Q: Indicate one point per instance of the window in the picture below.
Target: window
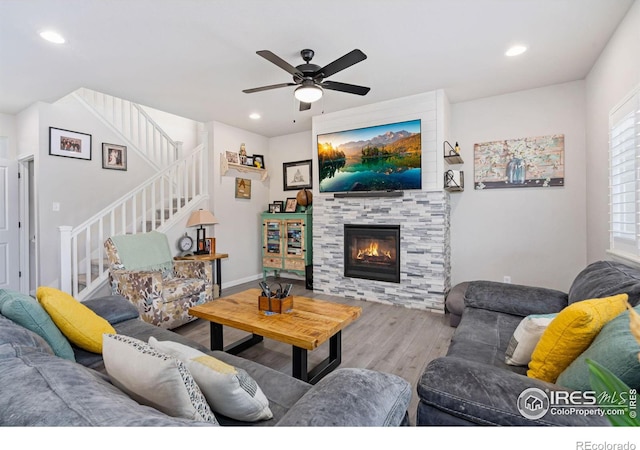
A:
(624, 177)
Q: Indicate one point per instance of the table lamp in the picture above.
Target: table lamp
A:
(200, 218)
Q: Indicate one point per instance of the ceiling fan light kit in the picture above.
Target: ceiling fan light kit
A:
(310, 78)
(308, 92)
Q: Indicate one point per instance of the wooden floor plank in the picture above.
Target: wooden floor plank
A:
(387, 338)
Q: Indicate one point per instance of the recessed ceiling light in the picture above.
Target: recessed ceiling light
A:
(52, 36)
(516, 50)
(254, 116)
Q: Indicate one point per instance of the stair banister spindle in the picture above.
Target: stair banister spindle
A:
(65, 258)
(87, 256)
(74, 265)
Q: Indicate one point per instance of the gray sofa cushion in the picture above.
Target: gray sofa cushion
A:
(483, 336)
(473, 393)
(12, 333)
(514, 299)
(604, 279)
(352, 397)
(39, 389)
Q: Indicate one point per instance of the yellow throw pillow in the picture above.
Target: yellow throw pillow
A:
(571, 333)
(78, 323)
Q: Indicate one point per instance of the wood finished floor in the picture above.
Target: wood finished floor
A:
(387, 338)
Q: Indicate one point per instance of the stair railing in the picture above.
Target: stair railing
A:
(154, 205)
(134, 124)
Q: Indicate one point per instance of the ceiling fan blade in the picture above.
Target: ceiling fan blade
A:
(305, 106)
(344, 87)
(348, 60)
(266, 88)
(275, 59)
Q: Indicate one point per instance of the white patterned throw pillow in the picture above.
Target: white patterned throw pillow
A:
(229, 390)
(154, 378)
(525, 338)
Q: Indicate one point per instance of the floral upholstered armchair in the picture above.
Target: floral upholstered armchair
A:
(141, 269)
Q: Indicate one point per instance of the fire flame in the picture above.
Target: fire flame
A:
(373, 250)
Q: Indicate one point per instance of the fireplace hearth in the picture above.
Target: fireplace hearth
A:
(372, 252)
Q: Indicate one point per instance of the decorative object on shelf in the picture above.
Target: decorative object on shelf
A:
(243, 188)
(272, 208)
(454, 180)
(199, 219)
(185, 244)
(70, 144)
(291, 205)
(226, 165)
(114, 156)
(296, 175)
(304, 198)
(242, 155)
(258, 161)
(525, 162)
(232, 157)
(279, 205)
(451, 154)
(379, 158)
(249, 161)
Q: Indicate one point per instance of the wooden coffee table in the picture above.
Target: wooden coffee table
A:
(309, 324)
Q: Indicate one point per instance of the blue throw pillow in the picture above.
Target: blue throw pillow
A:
(27, 312)
(615, 348)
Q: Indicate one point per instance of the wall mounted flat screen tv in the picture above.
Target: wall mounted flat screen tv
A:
(378, 158)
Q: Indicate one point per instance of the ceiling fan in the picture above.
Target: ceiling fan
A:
(310, 78)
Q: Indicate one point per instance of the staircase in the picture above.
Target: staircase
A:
(158, 203)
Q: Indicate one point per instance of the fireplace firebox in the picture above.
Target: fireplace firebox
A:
(372, 252)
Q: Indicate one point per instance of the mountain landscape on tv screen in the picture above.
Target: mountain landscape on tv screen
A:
(380, 158)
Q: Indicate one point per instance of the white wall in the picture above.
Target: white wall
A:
(534, 235)
(615, 74)
(239, 230)
(8, 130)
(288, 148)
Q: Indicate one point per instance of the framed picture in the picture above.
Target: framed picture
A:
(258, 161)
(232, 157)
(296, 175)
(272, 208)
(114, 156)
(210, 245)
(243, 188)
(70, 144)
(249, 160)
(291, 205)
(278, 206)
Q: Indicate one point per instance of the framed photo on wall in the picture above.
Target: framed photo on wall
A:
(114, 156)
(70, 144)
(243, 188)
(296, 175)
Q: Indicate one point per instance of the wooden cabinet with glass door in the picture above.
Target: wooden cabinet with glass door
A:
(286, 244)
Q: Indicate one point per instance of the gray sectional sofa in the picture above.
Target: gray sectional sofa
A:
(41, 389)
(472, 384)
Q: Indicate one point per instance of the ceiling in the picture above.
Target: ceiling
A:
(193, 58)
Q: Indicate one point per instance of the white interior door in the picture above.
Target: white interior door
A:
(9, 248)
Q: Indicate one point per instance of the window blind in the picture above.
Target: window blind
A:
(624, 176)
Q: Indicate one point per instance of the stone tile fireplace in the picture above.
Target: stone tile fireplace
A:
(422, 221)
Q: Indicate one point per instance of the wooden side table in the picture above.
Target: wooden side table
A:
(215, 260)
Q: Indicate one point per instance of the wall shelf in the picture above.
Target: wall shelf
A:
(451, 156)
(226, 165)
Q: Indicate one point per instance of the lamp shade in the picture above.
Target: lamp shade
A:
(201, 217)
(308, 92)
